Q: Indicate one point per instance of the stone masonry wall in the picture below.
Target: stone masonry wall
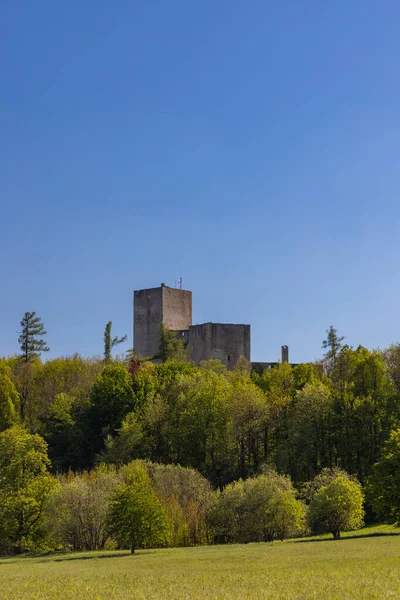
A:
(225, 341)
(147, 318)
(154, 306)
(176, 308)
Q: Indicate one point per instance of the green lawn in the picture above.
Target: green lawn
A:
(364, 564)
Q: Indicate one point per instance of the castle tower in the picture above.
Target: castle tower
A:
(154, 306)
(284, 354)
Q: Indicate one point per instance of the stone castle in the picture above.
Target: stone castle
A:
(173, 307)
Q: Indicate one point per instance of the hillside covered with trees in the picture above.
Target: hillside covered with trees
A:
(124, 452)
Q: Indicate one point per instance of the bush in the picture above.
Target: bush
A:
(187, 497)
(76, 515)
(259, 509)
(338, 505)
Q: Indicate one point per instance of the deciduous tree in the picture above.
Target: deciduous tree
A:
(25, 485)
(338, 506)
(383, 490)
(112, 398)
(9, 399)
(260, 509)
(76, 515)
(137, 519)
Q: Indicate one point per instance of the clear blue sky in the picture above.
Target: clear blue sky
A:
(254, 145)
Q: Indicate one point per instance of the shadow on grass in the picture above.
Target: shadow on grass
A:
(55, 557)
(85, 557)
(348, 537)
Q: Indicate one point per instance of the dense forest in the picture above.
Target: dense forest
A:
(199, 447)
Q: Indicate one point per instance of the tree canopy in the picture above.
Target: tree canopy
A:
(338, 506)
(245, 440)
(383, 490)
(25, 485)
(137, 519)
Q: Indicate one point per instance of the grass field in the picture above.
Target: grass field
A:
(365, 564)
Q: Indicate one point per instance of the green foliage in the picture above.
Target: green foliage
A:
(278, 382)
(63, 387)
(166, 373)
(110, 342)
(130, 443)
(260, 509)
(391, 357)
(171, 347)
(225, 424)
(62, 427)
(226, 518)
(215, 365)
(187, 497)
(364, 409)
(9, 399)
(297, 420)
(383, 490)
(243, 366)
(333, 343)
(308, 430)
(24, 378)
(249, 414)
(76, 513)
(31, 337)
(23, 457)
(72, 375)
(136, 517)
(305, 374)
(197, 418)
(324, 478)
(111, 398)
(61, 409)
(24, 487)
(338, 506)
(144, 383)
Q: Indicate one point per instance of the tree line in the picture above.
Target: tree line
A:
(249, 436)
(144, 504)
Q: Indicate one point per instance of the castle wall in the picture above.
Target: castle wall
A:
(225, 341)
(176, 308)
(147, 318)
(260, 367)
(173, 307)
(154, 306)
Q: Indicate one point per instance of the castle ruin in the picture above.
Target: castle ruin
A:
(173, 307)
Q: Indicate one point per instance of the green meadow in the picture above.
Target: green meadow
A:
(363, 564)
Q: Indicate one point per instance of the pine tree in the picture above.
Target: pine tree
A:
(30, 340)
(333, 343)
(110, 342)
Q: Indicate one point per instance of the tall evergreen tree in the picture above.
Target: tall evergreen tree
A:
(110, 342)
(333, 343)
(30, 339)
